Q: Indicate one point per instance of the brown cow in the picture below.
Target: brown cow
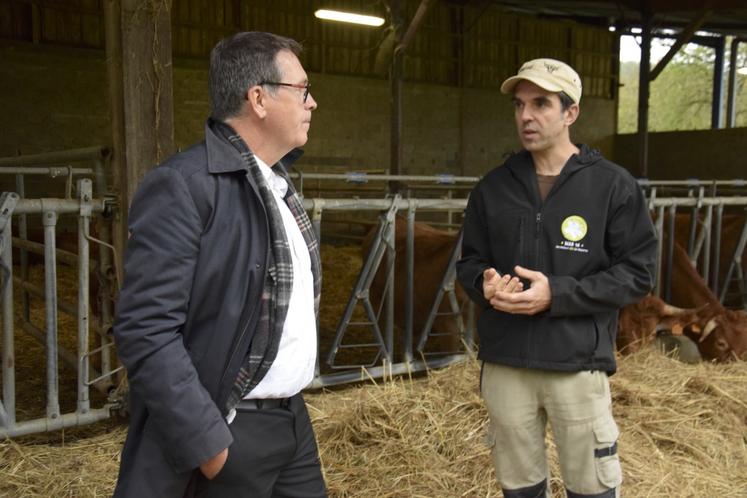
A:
(431, 256)
(731, 229)
(639, 323)
(720, 334)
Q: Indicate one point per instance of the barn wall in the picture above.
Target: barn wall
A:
(490, 133)
(55, 98)
(705, 154)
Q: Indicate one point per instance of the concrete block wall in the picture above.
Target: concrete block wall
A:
(704, 154)
(56, 98)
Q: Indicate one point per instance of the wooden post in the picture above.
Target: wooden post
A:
(147, 90)
(643, 94)
(113, 37)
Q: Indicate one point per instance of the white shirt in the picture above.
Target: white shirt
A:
(293, 368)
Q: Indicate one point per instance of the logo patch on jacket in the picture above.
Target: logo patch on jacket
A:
(574, 229)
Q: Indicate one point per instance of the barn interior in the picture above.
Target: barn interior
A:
(409, 113)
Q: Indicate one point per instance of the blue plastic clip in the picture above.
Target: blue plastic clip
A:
(357, 177)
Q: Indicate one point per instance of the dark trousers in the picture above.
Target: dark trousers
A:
(273, 455)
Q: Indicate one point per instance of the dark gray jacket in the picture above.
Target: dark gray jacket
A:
(593, 239)
(194, 271)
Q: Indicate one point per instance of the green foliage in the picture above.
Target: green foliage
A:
(681, 95)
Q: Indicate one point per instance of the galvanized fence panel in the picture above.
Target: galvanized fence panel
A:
(704, 202)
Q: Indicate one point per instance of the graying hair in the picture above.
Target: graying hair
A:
(239, 62)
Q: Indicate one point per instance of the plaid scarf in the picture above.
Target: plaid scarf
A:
(279, 279)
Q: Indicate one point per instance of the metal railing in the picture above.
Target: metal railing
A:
(381, 256)
(51, 210)
(78, 207)
(705, 202)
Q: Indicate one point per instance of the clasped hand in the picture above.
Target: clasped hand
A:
(507, 293)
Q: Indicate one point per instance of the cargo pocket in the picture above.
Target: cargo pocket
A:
(606, 459)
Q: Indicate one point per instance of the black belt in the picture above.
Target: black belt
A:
(246, 405)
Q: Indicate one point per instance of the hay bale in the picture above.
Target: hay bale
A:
(684, 434)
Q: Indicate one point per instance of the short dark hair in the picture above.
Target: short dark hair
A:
(241, 61)
(565, 101)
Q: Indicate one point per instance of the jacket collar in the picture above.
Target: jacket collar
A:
(222, 157)
(522, 166)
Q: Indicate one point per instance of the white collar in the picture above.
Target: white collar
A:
(276, 182)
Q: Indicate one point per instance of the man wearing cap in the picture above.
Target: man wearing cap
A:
(556, 241)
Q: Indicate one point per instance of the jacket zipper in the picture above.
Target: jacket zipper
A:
(537, 233)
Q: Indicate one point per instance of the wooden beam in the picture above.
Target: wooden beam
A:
(113, 41)
(684, 37)
(147, 89)
(643, 94)
(417, 20)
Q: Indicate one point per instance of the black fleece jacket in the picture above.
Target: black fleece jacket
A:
(592, 237)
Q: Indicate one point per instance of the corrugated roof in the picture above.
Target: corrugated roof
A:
(727, 17)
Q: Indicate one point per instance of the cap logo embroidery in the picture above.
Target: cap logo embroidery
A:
(550, 68)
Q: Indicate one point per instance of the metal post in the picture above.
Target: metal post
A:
(23, 253)
(707, 234)
(85, 193)
(694, 214)
(106, 273)
(643, 94)
(736, 266)
(8, 363)
(717, 248)
(718, 84)
(670, 252)
(316, 223)
(50, 298)
(660, 233)
(731, 114)
(410, 284)
(391, 256)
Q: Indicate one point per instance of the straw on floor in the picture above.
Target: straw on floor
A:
(684, 434)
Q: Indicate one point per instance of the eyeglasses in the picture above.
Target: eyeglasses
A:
(300, 86)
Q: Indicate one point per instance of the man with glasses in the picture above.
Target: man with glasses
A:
(216, 319)
(556, 241)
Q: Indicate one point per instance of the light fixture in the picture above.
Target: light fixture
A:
(336, 15)
(612, 29)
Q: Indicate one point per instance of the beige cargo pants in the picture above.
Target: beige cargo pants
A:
(520, 402)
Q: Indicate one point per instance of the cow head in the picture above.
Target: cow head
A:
(721, 337)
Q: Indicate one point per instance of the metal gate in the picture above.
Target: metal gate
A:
(78, 210)
(704, 202)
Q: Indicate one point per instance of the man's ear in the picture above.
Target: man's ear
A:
(256, 100)
(571, 114)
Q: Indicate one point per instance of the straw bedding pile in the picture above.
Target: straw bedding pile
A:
(684, 434)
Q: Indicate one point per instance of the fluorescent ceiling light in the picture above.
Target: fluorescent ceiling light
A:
(742, 70)
(336, 15)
